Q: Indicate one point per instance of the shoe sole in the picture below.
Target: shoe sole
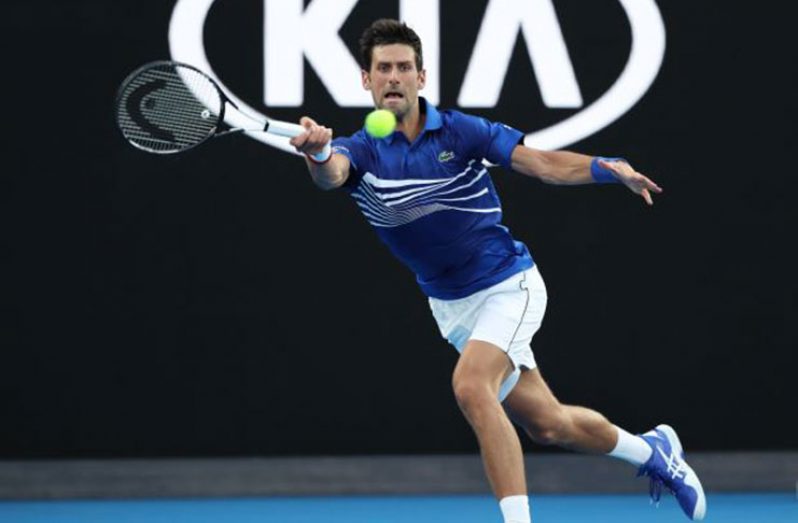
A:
(676, 445)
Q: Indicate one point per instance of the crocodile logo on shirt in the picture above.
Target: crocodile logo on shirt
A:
(445, 156)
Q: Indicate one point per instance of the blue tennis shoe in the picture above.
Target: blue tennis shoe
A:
(667, 468)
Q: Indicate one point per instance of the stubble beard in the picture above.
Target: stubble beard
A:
(399, 111)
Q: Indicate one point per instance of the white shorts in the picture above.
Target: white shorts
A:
(506, 315)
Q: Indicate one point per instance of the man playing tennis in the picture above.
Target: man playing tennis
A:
(425, 190)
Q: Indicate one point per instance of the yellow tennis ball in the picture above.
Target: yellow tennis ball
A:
(380, 123)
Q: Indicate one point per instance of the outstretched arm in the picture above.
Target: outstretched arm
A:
(329, 174)
(567, 168)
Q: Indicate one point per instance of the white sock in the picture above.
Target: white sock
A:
(632, 449)
(515, 509)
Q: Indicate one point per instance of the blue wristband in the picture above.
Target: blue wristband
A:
(602, 174)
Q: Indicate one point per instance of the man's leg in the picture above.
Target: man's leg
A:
(479, 373)
(534, 408)
(658, 452)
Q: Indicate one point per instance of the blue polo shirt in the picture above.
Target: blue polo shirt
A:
(433, 203)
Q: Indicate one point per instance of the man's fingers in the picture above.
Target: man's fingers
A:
(626, 169)
(299, 140)
(319, 134)
(314, 138)
(647, 196)
(650, 185)
(307, 122)
(637, 182)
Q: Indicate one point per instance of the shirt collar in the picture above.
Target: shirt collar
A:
(433, 116)
(432, 122)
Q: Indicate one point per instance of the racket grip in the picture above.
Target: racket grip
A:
(289, 130)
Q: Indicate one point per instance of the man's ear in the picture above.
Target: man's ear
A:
(365, 78)
(422, 79)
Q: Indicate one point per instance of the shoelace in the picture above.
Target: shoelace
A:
(676, 469)
(655, 485)
(655, 489)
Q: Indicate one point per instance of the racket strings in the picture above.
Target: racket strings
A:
(168, 107)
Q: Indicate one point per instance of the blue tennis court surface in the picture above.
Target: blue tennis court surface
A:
(723, 508)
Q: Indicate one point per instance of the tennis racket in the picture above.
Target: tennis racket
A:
(167, 107)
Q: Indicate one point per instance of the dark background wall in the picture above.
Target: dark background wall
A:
(217, 303)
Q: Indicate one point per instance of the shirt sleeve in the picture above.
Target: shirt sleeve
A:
(356, 150)
(489, 140)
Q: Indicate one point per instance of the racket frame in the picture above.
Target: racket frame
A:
(285, 129)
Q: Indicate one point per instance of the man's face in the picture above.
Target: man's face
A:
(393, 80)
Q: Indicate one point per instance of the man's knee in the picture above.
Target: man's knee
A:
(472, 393)
(549, 427)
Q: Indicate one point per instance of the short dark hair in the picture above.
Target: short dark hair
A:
(387, 31)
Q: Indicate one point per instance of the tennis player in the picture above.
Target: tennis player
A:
(427, 193)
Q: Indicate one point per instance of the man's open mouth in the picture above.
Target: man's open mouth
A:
(394, 96)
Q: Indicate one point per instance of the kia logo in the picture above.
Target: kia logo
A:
(293, 33)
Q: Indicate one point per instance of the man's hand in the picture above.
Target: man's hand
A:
(313, 140)
(326, 173)
(636, 182)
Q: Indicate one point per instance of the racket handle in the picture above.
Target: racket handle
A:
(289, 130)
